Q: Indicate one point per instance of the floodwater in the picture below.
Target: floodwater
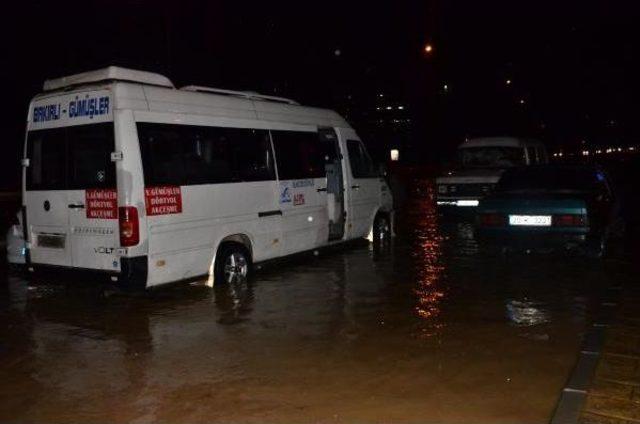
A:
(431, 329)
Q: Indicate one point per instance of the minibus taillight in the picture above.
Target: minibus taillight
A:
(129, 226)
(570, 220)
(492, 220)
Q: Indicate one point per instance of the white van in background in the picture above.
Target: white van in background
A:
(127, 175)
(480, 164)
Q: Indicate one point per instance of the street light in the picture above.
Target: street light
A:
(428, 48)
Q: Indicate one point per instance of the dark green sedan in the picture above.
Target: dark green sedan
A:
(568, 206)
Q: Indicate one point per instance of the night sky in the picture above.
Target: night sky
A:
(573, 66)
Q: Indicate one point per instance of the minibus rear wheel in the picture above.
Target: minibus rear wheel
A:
(233, 264)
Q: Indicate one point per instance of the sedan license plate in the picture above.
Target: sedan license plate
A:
(530, 220)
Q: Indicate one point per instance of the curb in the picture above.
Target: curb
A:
(574, 394)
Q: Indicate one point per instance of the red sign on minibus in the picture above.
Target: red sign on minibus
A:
(101, 203)
(163, 200)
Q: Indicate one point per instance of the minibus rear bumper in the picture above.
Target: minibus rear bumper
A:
(132, 275)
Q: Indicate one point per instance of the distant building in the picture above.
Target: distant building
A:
(382, 119)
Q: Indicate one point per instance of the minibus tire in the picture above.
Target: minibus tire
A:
(226, 252)
(133, 273)
(381, 228)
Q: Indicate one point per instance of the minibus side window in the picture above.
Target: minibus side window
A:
(361, 164)
(207, 156)
(223, 155)
(162, 154)
(190, 155)
(253, 155)
(299, 155)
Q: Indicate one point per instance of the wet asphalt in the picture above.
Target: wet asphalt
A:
(430, 328)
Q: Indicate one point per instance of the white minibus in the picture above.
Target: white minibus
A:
(126, 175)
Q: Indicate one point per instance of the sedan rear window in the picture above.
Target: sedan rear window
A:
(548, 179)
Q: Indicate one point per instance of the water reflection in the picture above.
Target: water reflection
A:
(526, 313)
(234, 302)
(427, 254)
(346, 332)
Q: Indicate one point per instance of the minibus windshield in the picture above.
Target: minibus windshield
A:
(490, 157)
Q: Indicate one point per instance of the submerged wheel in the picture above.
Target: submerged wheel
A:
(233, 264)
(382, 229)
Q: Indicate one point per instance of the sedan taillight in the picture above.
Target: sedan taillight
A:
(492, 220)
(570, 220)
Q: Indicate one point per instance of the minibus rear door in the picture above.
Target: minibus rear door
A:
(45, 198)
(92, 197)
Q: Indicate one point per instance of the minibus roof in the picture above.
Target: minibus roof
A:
(111, 73)
(147, 91)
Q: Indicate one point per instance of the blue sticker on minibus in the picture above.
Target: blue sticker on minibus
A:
(285, 195)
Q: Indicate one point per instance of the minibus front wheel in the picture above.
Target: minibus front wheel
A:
(381, 228)
(233, 264)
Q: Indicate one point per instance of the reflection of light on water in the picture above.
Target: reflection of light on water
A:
(427, 252)
(526, 313)
(466, 244)
(465, 231)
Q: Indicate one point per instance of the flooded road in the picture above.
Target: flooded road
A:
(431, 329)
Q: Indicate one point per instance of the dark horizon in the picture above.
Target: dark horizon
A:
(564, 73)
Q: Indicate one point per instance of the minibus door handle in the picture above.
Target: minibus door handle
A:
(321, 189)
(355, 187)
(76, 206)
(269, 213)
